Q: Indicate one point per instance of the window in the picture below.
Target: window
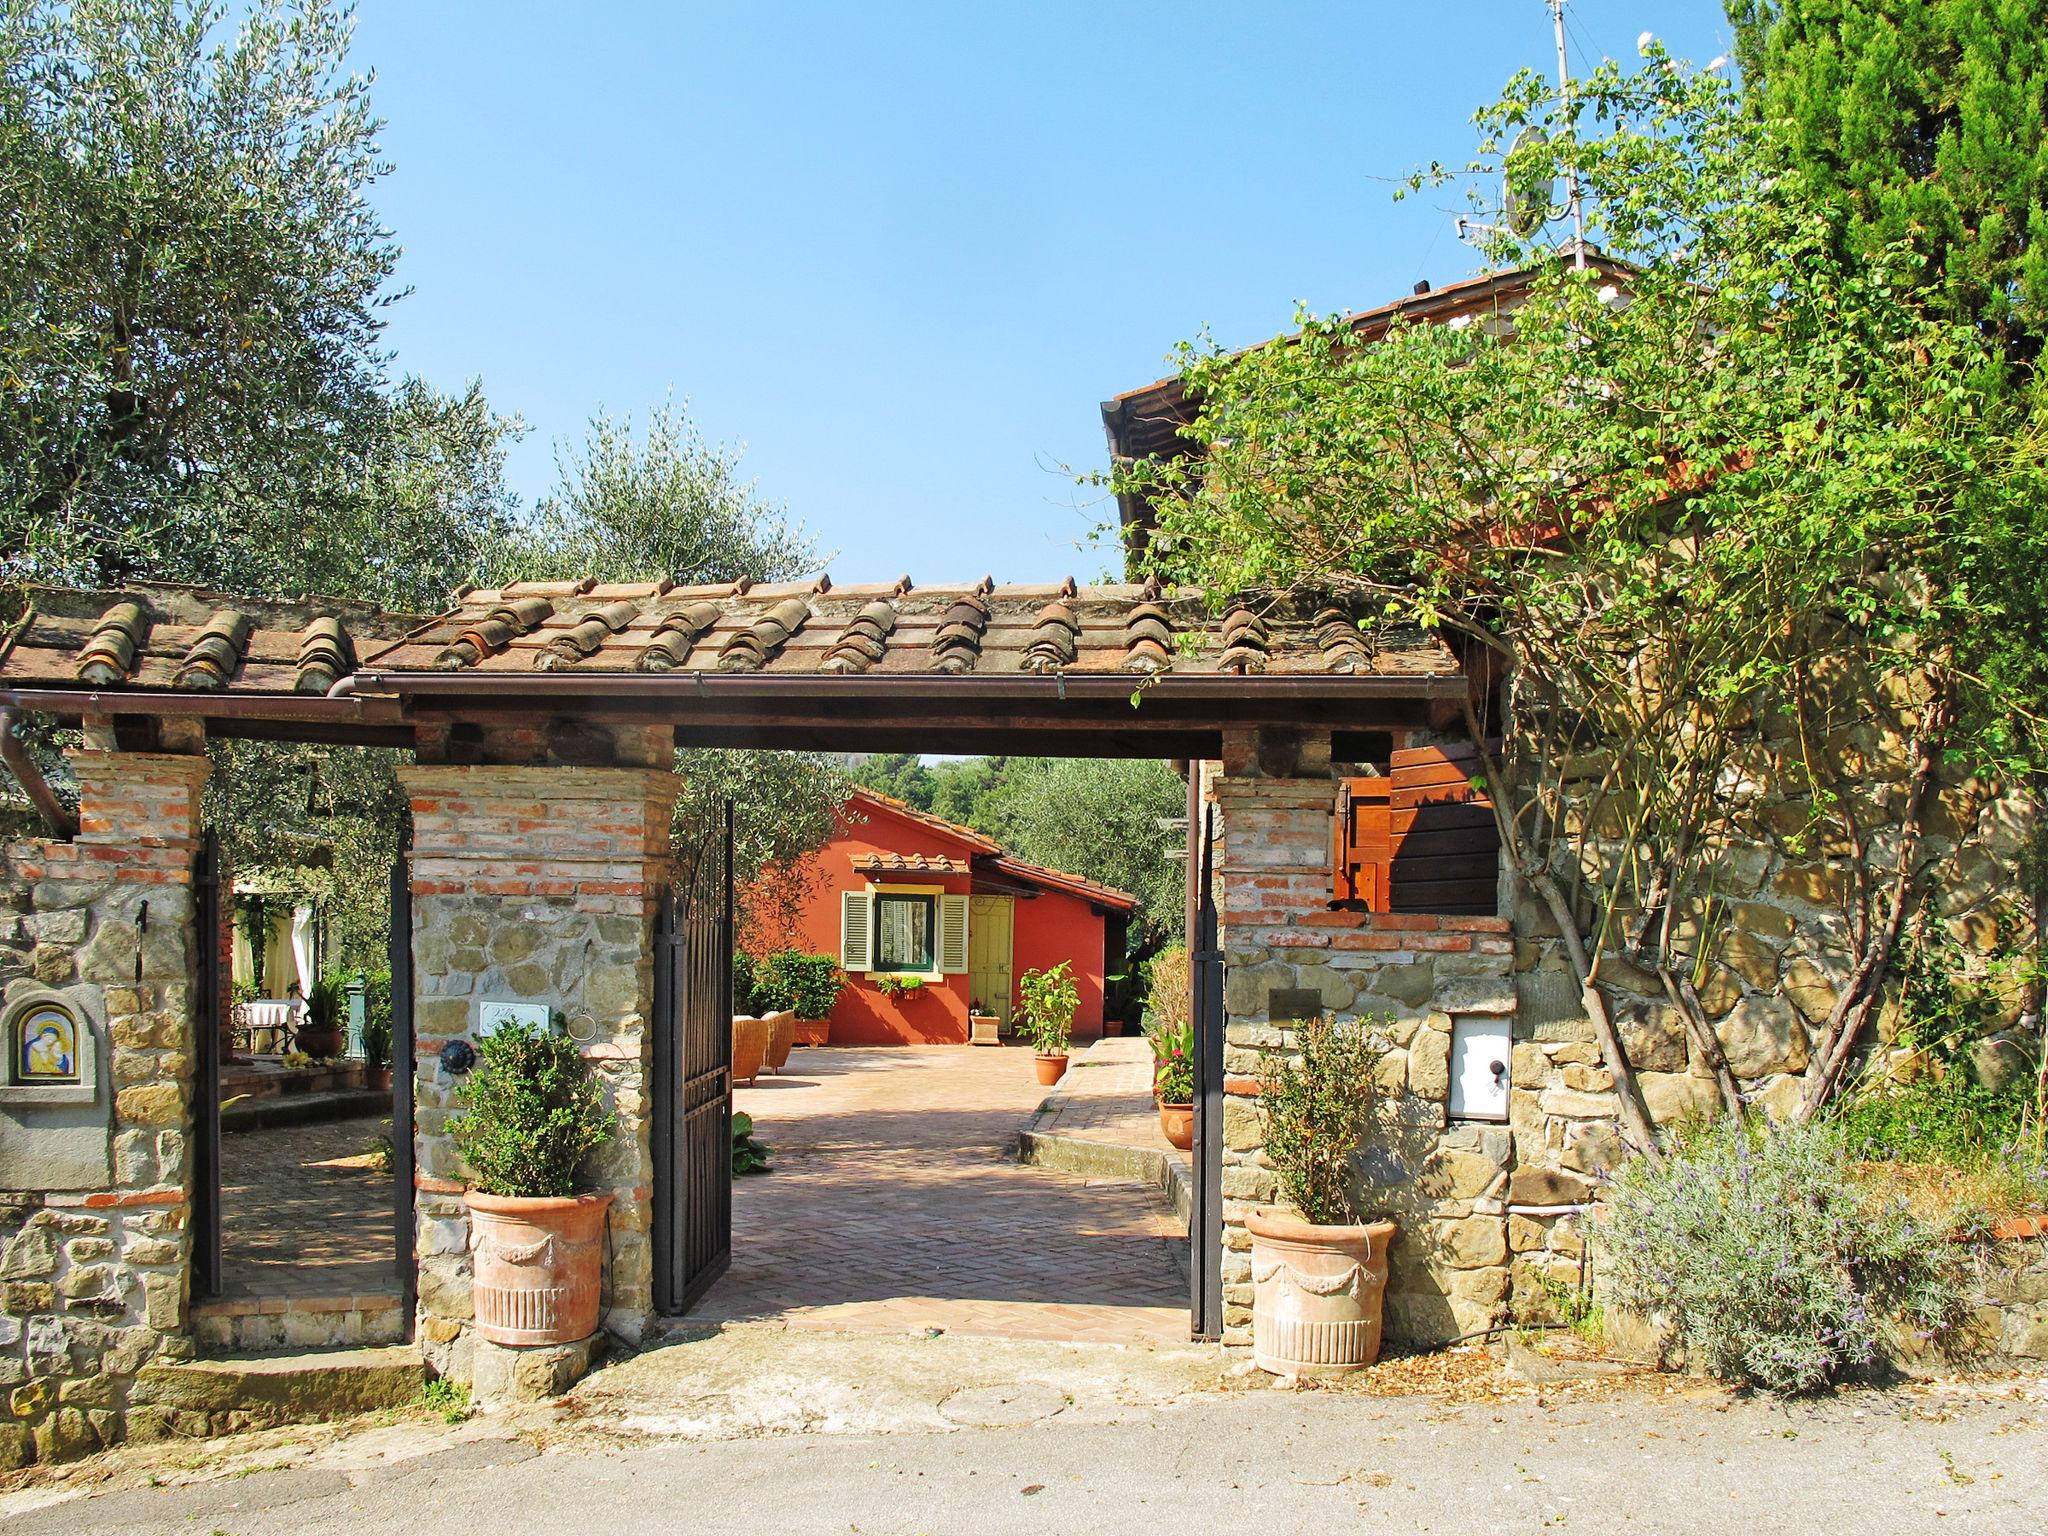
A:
(903, 931)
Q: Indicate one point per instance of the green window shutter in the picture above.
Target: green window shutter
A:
(952, 935)
(855, 930)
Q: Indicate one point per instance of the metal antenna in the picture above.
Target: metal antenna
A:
(1571, 175)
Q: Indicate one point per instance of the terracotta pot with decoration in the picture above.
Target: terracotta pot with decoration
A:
(538, 1265)
(781, 1038)
(749, 1048)
(1317, 1292)
(1177, 1121)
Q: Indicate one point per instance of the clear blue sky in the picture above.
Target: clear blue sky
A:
(902, 251)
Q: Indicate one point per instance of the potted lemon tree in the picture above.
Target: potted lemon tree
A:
(1319, 1272)
(1047, 998)
(533, 1112)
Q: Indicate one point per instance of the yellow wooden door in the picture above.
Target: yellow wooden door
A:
(988, 953)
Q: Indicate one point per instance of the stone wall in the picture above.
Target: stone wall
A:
(534, 884)
(1491, 1214)
(95, 1249)
(1449, 1184)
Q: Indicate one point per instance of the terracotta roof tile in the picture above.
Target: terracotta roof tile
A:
(908, 864)
(158, 637)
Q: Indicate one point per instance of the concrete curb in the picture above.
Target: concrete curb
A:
(1172, 1178)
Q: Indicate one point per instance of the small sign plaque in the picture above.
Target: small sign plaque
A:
(494, 1016)
(1292, 1005)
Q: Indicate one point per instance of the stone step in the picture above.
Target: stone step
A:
(303, 1109)
(216, 1397)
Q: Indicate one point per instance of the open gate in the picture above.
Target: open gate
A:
(1205, 1211)
(210, 935)
(692, 1131)
(405, 1252)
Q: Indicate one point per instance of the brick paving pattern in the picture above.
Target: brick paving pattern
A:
(1106, 1096)
(306, 1215)
(896, 1205)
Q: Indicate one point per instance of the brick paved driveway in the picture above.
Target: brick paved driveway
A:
(896, 1205)
(305, 1213)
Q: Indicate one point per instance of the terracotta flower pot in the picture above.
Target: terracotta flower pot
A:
(378, 1078)
(1178, 1122)
(1051, 1066)
(1317, 1292)
(539, 1264)
(749, 1048)
(320, 1044)
(781, 1037)
(813, 1031)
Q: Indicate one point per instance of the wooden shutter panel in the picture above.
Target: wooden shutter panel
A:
(856, 925)
(1444, 845)
(1363, 851)
(952, 935)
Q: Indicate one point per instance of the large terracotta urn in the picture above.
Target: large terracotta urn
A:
(1317, 1292)
(539, 1264)
(781, 1038)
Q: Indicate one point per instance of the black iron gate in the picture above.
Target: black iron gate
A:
(692, 1131)
(404, 1067)
(1205, 1215)
(209, 934)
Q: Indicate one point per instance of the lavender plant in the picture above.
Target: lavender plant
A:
(1771, 1262)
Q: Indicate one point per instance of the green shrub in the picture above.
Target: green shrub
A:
(743, 982)
(1168, 976)
(1771, 1261)
(1318, 1105)
(806, 985)
(1047, 999)
(533, 1112)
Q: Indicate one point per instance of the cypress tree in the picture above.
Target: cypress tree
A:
(1926, 121)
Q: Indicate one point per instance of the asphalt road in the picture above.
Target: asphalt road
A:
(1271, 1462)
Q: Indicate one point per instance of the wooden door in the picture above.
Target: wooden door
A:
(991, 940)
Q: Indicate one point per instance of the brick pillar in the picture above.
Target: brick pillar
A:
(1288, 955)
(535, 884)
(95, 1243)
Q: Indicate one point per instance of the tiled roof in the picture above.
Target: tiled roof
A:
(1058, 879)
(863, 797)
(908, 864)
(990, 857)
(183, 639)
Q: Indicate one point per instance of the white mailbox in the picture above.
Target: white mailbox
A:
(1481, 1049)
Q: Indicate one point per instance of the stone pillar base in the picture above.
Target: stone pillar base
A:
(530, 1373)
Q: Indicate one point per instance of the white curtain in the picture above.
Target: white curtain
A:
(302, 947)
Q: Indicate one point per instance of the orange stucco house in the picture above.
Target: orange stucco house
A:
(901, 893)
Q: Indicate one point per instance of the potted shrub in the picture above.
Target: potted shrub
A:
(1173, 1080)
(1047, 999)
(984, 1027)
(533, 1112)
(1319, 1273)
(805, 985)
(320, 1036)
(377, 1031)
